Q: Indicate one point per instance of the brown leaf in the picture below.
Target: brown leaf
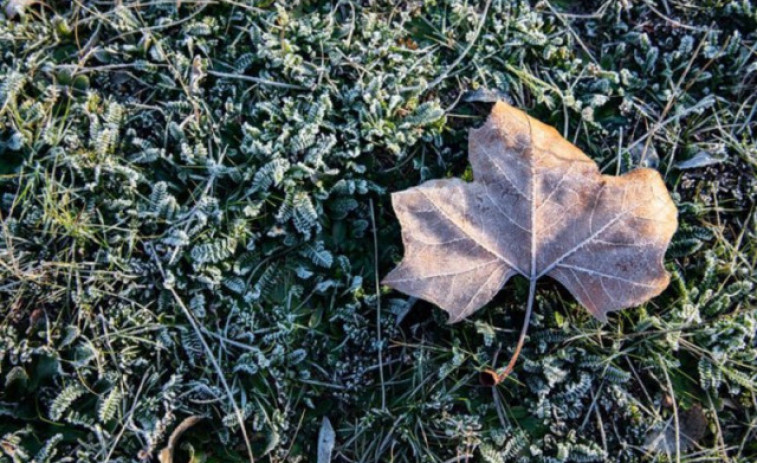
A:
(166, 454)
(538, 207)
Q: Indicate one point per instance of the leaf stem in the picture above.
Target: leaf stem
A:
(526, 321)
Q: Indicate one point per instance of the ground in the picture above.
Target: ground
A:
(195, 204)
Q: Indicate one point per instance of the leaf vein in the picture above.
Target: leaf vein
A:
(447, 274)
(465, 232)
(604, 275)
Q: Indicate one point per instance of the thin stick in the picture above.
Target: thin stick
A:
(378, 307)
(257, 80)
(467, 49)
(523, 331)
(211, 357)
(675, 409)
(166, 455)
(219, 371)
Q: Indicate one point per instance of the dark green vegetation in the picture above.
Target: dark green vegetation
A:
(188, 191)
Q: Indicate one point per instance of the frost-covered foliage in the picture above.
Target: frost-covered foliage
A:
(188, 193)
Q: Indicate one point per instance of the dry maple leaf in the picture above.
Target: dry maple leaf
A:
(538, 206)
